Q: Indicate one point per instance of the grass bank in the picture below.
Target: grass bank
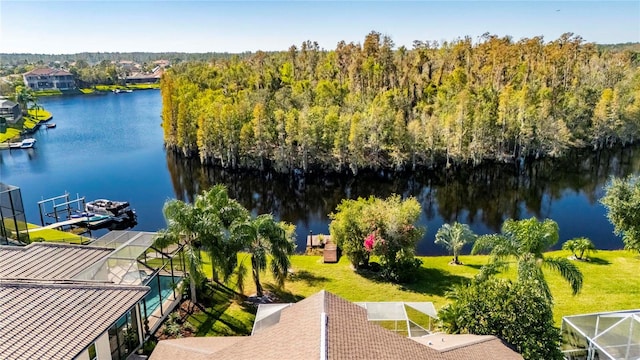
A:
(27, 123)
(121, 87)
(52, 235)
(610, 283)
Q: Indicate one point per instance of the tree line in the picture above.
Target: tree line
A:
(373, 106)
(14, 59)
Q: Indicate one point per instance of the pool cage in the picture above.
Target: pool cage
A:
(135, 261)
(13, 222)
(411, 319)
(405, 318)
(610, 335)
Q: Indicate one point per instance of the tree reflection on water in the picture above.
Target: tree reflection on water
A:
(483, 196)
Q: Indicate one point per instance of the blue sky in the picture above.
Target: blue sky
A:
(57, 27)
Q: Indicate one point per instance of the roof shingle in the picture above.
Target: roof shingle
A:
(349, 335)
(47, 260)
(58, 319)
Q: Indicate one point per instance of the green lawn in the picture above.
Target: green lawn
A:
(611, 283)
(51, 235)
(51, 92)
(126, 87)
(10, 134)
(42, 114)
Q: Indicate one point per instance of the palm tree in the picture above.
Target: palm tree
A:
(204, 225)
(454, 237)
(23, 97)
(526, 240)
(183, 227)
(581, 246)
(224, 240)
(264, 237)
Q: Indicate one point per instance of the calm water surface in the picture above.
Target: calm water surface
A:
(110, 146)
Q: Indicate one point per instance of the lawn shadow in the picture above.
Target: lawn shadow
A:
(309, 278)
(283, 295)
(237, 327)
(212, 305)
(425, 280)
(474, 266)
(598, 261)
(434, 282)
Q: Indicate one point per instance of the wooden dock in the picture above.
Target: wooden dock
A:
(61, 224)
(316, 241)
(323, 243)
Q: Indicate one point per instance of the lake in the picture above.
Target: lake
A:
(110, 146)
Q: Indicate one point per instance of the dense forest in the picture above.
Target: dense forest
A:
(373, 106)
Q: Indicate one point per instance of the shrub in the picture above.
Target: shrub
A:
(519, 313)
(384, 228)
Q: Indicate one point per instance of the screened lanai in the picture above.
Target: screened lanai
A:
(135, 261)
(609, 335)
(412, 319)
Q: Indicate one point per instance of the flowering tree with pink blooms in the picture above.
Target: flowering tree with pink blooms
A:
(382, 228)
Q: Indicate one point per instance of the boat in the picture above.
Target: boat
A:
(27, 143)
(116, 209)
(98, 221)
(51, 125)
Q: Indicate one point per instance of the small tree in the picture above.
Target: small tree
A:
(454, 237)
(622, 199)
(526, 240)
(347, 230)
(580, 247)
(264, 237)
(384, 228)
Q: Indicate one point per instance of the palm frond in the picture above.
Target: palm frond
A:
(164, 238)
(486, 243)
(493, 267)
(567, 270)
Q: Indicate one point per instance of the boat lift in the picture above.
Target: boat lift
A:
(60, 207)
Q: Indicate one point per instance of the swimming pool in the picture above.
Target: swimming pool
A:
(165, 290)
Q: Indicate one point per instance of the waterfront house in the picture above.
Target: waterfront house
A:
(326, 326)
(49, 79)
(146, 78)
(10, 111)
(98, 301)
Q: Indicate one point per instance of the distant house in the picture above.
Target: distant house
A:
(142, 78)
(326, 326)
(10, 111)
(85, 302)
(49, 79)
(128, 65)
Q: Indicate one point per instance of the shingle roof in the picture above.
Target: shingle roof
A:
(193, 348)
(48, 72)
(47, 260)
(58, 319)
(349, 335)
